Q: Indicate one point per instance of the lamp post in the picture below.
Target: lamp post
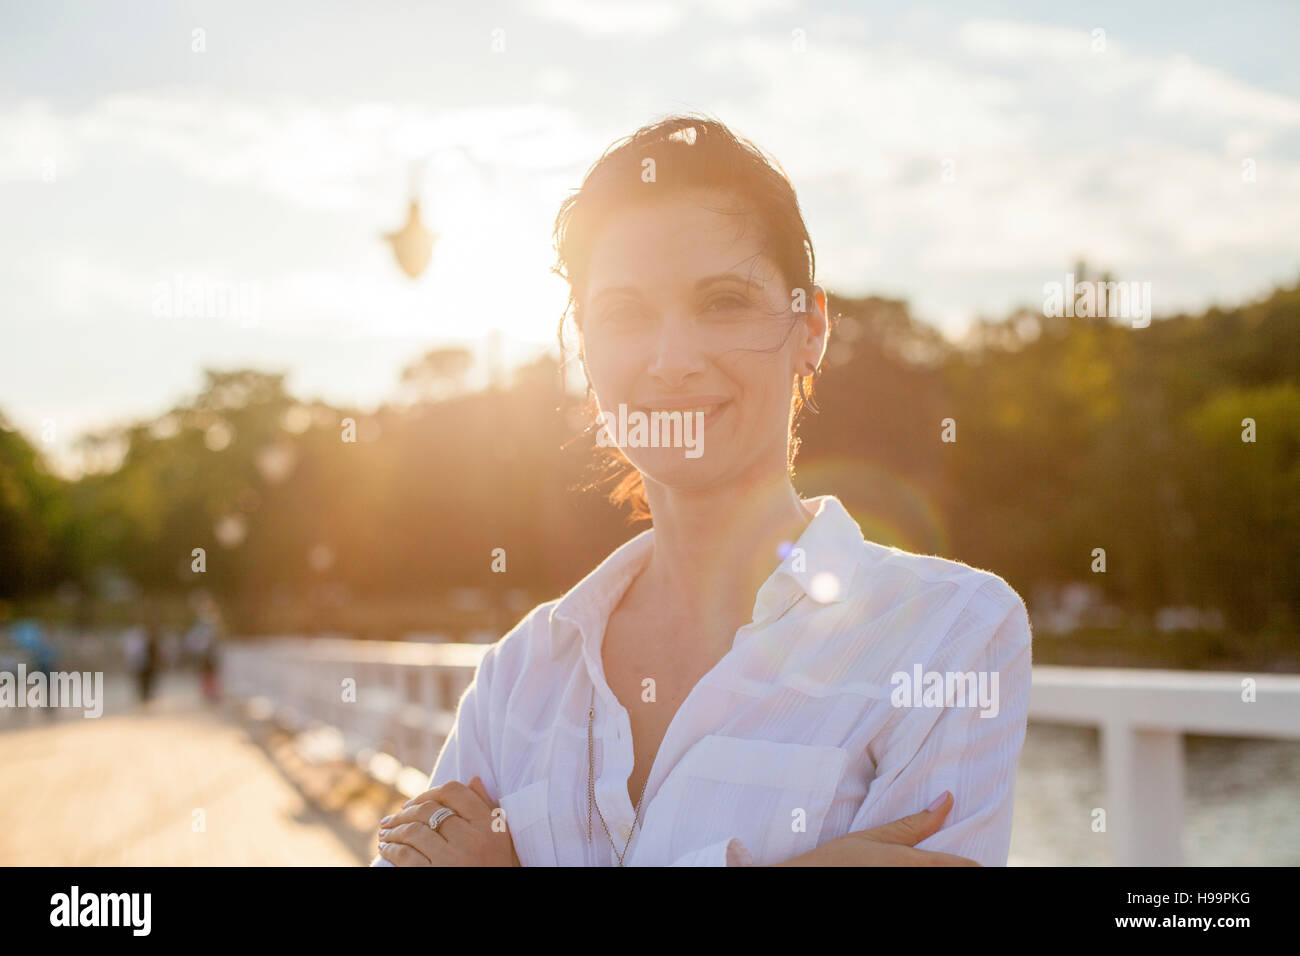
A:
(413, 243)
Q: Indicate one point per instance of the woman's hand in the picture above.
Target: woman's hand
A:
(465, 839)
(888, 845)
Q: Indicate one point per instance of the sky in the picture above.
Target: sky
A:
(958, 156)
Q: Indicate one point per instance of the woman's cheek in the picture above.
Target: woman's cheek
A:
(609, 380)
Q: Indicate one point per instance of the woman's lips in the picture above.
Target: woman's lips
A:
(711, 410)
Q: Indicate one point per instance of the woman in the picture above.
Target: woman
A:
(749, 681)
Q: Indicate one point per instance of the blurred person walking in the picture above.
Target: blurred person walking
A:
(30, 636)
(201, 643)
(144, 653)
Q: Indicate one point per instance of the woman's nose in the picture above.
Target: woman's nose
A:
(678, 351)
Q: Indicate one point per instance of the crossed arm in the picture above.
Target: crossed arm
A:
(956, 752)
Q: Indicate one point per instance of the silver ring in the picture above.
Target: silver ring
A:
(439, 815)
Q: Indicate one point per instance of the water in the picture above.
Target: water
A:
(1240, 804)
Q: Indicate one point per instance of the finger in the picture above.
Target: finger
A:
(448, 829)
(419, 813)
(422, 797)
(431, 794)
(454, 842)
(412, 826)
(912, 829)
(466, 802)
(476, 785)
(459, 797)
(401, 854)
(934, 858)
(430, 843)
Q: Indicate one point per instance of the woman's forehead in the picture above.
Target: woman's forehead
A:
(678, 243)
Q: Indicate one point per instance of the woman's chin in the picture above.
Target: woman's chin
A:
(672, 469)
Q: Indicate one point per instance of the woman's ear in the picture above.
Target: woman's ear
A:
(819, 298)
(816, 330)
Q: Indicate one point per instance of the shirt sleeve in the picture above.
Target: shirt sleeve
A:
(465, 753)
(727, 853)
(970, 750)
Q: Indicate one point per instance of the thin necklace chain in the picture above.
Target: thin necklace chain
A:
(591, 786)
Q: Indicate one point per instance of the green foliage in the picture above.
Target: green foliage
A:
(1072, 434)
(34, 519)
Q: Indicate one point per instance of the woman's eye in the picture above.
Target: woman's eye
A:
(725, 303)
(620, 315)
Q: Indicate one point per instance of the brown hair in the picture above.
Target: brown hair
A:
(689, 152)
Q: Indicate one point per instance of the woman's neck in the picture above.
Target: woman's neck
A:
(714, 549)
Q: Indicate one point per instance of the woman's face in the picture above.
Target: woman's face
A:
(682, 311)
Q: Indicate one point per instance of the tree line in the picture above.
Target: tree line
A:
(1040, 442)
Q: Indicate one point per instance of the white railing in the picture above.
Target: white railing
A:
(1142, 716)
(387, 705)
(404, 698)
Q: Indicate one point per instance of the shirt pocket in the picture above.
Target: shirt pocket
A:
(774, 796)
(527, 813)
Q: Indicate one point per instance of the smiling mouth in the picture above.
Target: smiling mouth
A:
(707, 410)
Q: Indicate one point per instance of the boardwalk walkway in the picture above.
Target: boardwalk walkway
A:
(123, 790)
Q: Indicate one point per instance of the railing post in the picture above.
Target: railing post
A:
(431, 701)
(1143, 770)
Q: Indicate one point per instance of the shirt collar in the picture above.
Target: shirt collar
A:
(820, 564)
(588, 604)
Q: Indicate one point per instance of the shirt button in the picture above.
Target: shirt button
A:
(625, 831)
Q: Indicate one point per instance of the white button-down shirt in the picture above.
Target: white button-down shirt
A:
(869, 681)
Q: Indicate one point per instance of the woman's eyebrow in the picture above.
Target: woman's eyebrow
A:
(699, 284)
(726, 276)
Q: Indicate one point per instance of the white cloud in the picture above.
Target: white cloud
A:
(314, 157)
(603, 18)
(30, 136)
(1131, 160)
(649, 18)
(1183, 86)
(555, 81)
(744, 11)
(1010, 40)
